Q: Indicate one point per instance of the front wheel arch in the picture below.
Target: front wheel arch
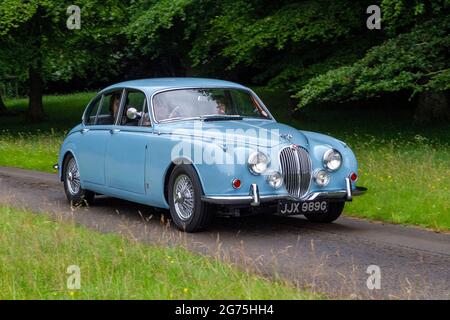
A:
(172, 167)
(199, 215)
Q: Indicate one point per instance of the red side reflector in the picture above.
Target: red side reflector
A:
(353, 177)
(236, 183)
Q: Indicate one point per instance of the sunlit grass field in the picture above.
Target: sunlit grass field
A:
(35, 253)
(36, 146)
(406, 168)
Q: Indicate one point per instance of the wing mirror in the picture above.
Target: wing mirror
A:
(132, 113)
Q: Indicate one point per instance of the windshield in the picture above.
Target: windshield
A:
(204, 103)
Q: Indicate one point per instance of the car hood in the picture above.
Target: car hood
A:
(263, 133)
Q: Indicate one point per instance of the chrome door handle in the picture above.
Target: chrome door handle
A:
(83, 131)
(113, 131)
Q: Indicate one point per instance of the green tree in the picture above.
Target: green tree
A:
(318, 50)
(35, 42)
(163, 30)
(413, 57)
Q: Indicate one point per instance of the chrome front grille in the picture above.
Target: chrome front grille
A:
(296, 170)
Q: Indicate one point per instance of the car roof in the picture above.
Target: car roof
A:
(152, 85)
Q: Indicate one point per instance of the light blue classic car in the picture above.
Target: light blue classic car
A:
(200, 148)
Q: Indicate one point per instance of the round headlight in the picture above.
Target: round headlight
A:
(332, 160)
(258, 162)
(275, 179)
(322, 178)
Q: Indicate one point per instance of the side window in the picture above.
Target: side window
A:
(134, 108)
(110, 108)
(92, 110)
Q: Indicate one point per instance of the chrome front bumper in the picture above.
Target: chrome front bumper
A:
(254, 199)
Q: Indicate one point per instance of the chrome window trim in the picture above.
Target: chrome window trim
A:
(98, 110)
(271, 118)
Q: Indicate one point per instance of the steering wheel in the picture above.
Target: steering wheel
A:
(175, 112)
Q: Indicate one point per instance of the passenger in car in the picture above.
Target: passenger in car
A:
(114, 105)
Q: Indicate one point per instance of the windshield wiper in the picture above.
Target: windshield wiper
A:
(178, 119)
(208, 117)
(218, 117)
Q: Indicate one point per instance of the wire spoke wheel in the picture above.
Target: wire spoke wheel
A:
(183, 197)
(73, 177)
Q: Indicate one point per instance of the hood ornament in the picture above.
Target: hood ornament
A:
(286, 136)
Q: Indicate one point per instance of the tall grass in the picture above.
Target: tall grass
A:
(408, 181)
(37, 151)
(35, 253)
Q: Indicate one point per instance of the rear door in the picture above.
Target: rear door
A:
(98, 122)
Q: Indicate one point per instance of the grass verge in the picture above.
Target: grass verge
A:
(35, 253)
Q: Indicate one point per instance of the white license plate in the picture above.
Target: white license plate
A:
(288, 208)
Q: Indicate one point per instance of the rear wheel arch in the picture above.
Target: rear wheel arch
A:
(74, 191)
(63, 162)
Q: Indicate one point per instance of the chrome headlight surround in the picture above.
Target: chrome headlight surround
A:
(275, 179)
(322, 178)
(332, 160)
(258, 162)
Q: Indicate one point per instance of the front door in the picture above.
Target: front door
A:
(127, 144)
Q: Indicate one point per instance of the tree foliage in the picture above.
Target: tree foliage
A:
(36, 44)
(414, 57)
(318, 50)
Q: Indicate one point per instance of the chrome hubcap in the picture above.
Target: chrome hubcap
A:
(73, 177)
(183, 197)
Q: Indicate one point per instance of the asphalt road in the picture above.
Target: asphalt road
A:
(332, 258)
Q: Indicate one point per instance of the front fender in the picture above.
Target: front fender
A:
(318, 145)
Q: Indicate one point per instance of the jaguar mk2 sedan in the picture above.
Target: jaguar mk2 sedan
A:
(203, 147)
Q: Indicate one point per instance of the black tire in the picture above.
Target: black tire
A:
(199, 218)
(81, 196)
(334, 211)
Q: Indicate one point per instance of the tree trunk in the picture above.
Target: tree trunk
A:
(35, 111)
(432, 107)
(2, 106)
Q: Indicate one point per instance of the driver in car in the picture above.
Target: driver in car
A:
(221, 109)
